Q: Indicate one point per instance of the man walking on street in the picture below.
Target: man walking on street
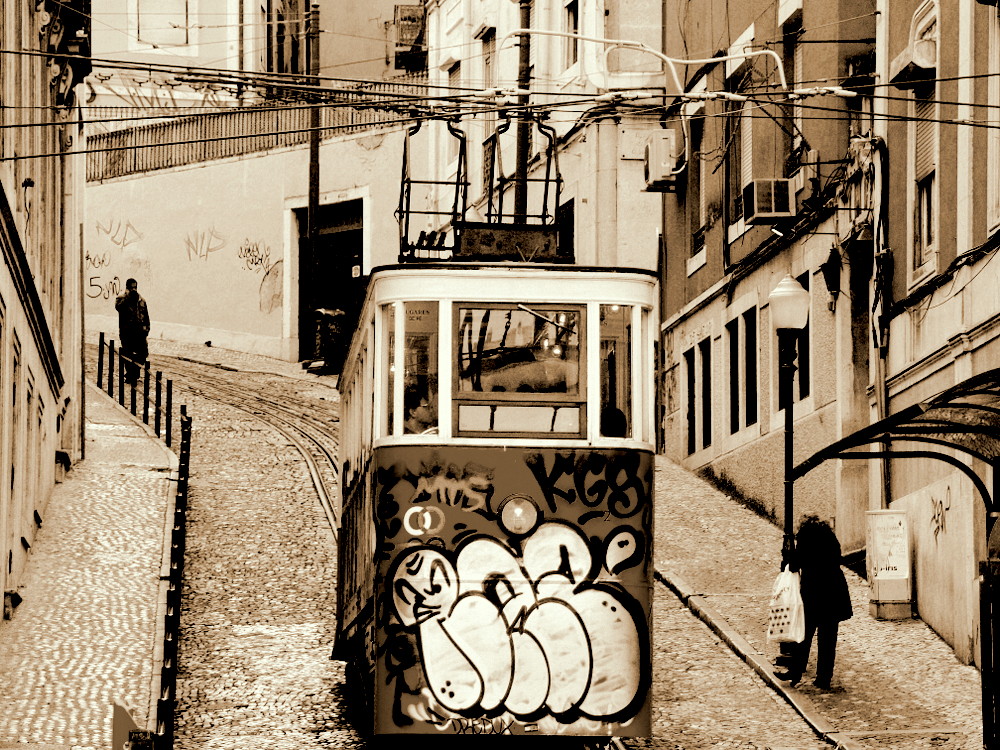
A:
(133, 328)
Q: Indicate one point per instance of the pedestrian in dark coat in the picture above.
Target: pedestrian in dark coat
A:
(133, 328)
(825, 598)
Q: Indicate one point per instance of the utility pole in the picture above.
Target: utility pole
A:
(312, 210)
(523, 121)
(314, 124)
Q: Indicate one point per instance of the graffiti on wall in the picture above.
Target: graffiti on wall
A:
(271, 290)
(255, 256)
(96, 260)
(202, 243)
(940, 505)
(98, 288)
(491, 627)
(120, 233)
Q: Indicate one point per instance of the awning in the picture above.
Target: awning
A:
(964, 418)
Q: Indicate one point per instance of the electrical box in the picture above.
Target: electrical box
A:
(660, 161)
(767, 200)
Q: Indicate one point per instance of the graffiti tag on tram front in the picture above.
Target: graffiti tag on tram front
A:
(621, 482)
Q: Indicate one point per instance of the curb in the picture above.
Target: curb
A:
(756, 660)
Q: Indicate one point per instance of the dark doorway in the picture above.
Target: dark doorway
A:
(331, 284)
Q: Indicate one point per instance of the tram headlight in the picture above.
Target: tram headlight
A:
(518, 514)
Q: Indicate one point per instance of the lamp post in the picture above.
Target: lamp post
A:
(789, 305)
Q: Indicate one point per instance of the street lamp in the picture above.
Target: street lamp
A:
(789, 306)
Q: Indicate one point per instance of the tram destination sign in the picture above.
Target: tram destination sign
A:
(526, 242)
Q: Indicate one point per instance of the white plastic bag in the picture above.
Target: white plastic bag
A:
(786, 622)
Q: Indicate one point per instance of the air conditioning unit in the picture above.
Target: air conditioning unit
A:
(767, 200)
(660, 161)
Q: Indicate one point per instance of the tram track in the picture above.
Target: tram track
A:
(315, 438)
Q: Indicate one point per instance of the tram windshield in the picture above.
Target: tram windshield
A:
(516, 368)
(518, 349)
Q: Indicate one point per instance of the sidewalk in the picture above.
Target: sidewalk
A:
(85, 634)
(896, 686)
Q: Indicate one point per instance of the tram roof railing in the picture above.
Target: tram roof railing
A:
(503, 236)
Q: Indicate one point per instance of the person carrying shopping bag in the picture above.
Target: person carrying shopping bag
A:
(825, 598)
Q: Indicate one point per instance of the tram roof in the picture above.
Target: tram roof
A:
(512, 266)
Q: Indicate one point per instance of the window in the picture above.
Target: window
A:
(518, 369)
(389, 330)
(803, 371)
(697, 205)
(489, 40)
(795, 76)
(924, 138)
(742, 334)
(572, 26)
(739, 161)
(454, 89)
(705, 352)
(698, 365)
(691, 393)
(616, 371)
(860, 78)
(420, 370)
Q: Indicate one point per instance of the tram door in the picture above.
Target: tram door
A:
(331, 286)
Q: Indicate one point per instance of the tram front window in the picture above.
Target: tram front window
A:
(420, 374)
(518, 368)
(616, 370)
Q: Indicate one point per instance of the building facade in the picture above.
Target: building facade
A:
(41, 387)
(226, 260)
(759, 198)
(878, 144)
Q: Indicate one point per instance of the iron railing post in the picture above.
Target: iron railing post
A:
(121, 378)
(145, 393)
(111, 368)
(170, 407)
(157, 414)
(100, 362)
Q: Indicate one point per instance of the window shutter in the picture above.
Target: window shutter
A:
(746, 145)
(798, 77)
(925, 136)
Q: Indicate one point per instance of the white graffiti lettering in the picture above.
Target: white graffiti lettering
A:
(466, 488)
(420, 520)
(529, 633)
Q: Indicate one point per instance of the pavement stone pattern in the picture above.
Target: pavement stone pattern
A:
(83, 635)
(706, 698)
(896, 685)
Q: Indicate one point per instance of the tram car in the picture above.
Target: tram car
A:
(495, 537)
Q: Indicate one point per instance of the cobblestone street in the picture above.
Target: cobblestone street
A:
(258, 602)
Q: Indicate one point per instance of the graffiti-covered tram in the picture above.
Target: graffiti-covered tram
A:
(494, 549)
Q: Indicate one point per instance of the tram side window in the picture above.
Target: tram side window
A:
(518, 368)
(420, 376)
(616, 370)
(389, 312)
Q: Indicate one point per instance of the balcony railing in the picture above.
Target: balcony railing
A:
(218, 135)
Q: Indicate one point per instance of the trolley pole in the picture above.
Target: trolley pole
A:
(523, 121)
